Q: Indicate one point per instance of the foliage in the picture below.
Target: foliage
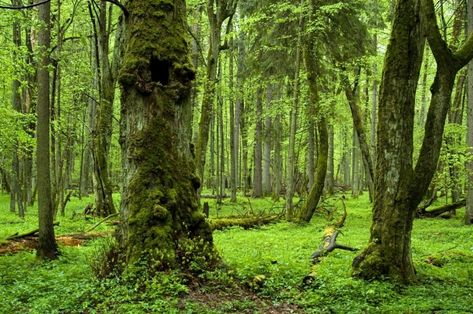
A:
(271, 261)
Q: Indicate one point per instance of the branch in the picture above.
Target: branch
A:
(121, 6)
(439, 47)
(22, 7)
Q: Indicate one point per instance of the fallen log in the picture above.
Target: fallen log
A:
(244, 222)
(211, 196)
(423, 213)
(31, 233)
(328, 244)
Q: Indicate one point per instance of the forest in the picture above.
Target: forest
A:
(235, 156)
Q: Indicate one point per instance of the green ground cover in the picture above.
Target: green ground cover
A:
(265, 269)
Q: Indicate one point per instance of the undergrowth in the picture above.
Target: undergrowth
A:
(264, 274)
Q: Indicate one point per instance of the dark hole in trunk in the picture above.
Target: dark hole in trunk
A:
(160, 71)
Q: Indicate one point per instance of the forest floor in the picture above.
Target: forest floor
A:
(265, 269)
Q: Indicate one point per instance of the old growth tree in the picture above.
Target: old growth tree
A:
(159, 199)
(399, 184)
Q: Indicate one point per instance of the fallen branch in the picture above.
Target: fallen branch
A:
(329, 243)
(214, 196)
(423, 213)
(244, 222)
(102, 221)
(31, 233)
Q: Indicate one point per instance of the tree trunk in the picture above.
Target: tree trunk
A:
(277, 175)
(360, 139)
(234, 134)
(102, 133)
(47, 248)
(267, 143)
(258, 151)
(469, 137)
(399, 186)
(217, 11)
(308, 209)
(163, 225)
(329, 179)
(291, 154)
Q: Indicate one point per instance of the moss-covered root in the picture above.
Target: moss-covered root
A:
(371, 264)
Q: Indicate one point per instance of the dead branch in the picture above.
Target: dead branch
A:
(423, 213)
(32, 233)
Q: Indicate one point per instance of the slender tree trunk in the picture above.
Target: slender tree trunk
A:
(309, 206)
(469, 137)
(234, 134)
(102, 133)
(258, 151)
(267, 143)
(329, 179)
(291, 154)
(217, 11)
(163, 225)
(277, 182)
(47, 248)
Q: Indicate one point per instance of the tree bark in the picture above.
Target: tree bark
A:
(267, 143)
(469, 137)
(258, 151)
(291, 154)
(163, 225)
(102, 132)
(399, 186)
(309, 206)
(47, 248)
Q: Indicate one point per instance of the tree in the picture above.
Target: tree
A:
(159, 201)
(469, 167)
(47, 247)
(399, 187)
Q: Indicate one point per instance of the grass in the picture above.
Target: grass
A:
(266, 265)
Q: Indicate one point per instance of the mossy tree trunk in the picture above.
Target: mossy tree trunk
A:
(399, 187)
(160, 202)
(308, 209)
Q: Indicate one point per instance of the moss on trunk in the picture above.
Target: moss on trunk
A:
(159, 201)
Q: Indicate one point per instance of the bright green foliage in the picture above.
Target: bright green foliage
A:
(270, 261)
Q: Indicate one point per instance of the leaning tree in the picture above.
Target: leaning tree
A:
(399, 184)
(159, 201)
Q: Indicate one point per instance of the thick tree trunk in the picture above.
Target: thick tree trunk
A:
(163, 225)
(399, 186)
(47, 248)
